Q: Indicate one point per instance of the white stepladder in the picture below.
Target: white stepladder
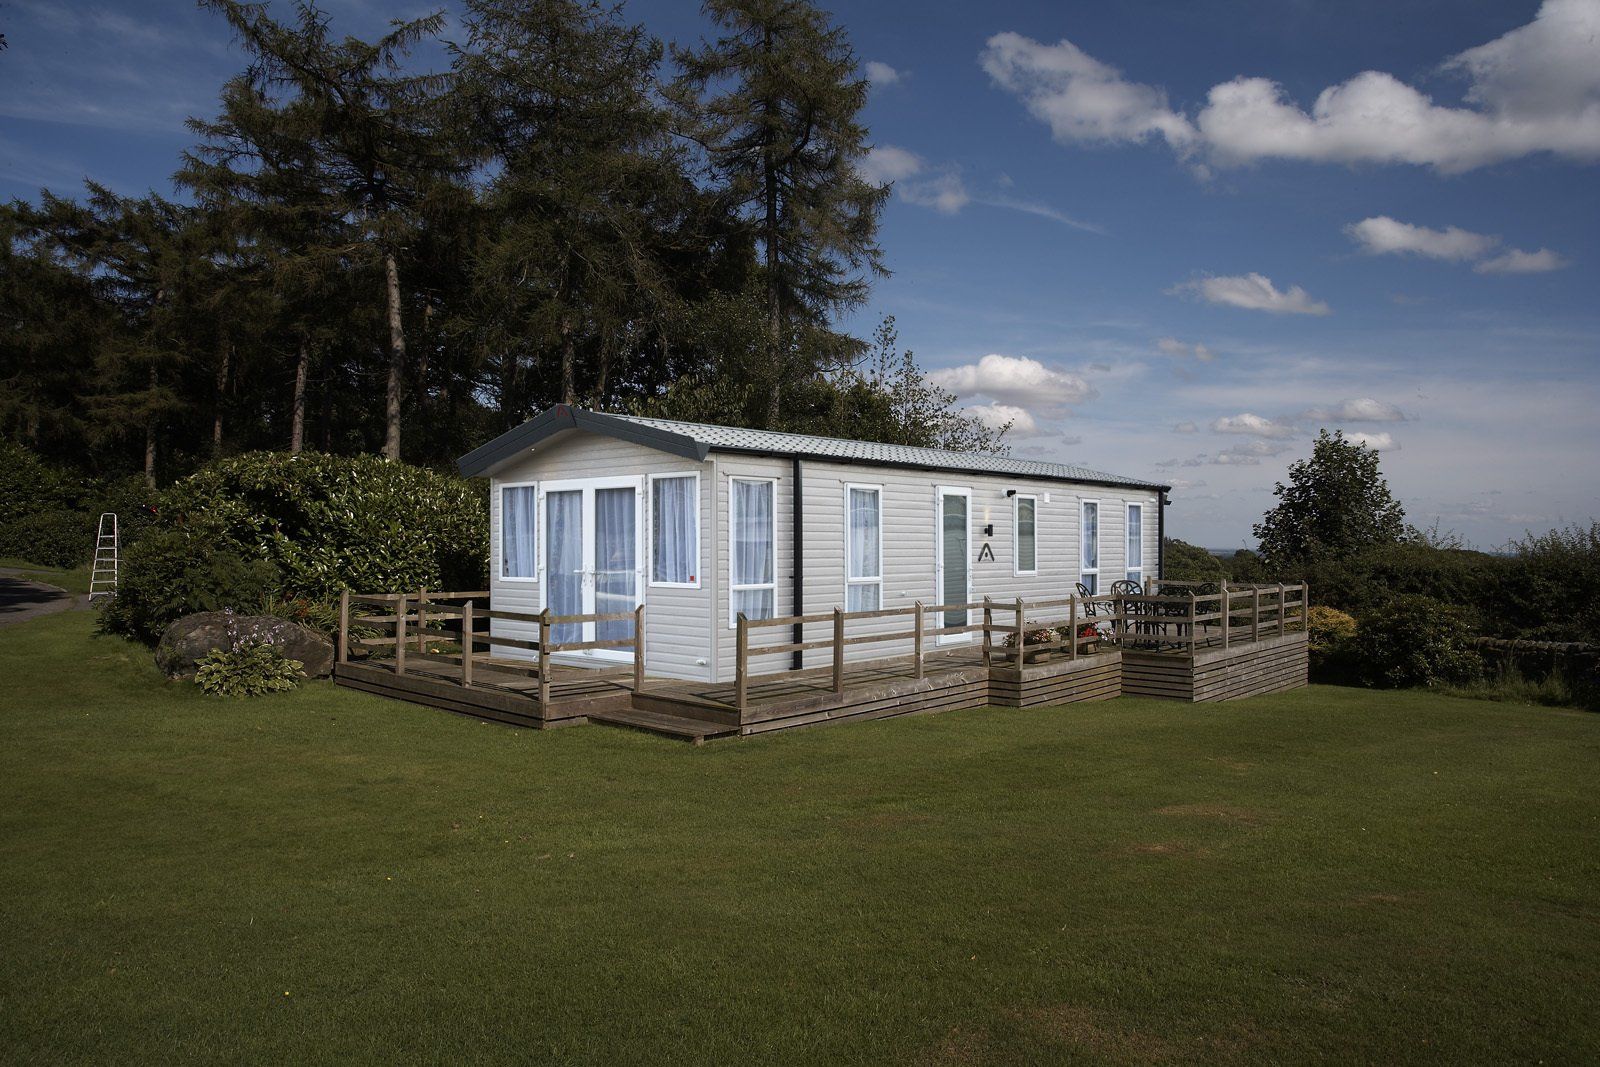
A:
(103, 582)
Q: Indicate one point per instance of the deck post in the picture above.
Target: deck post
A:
(916, 642)
(638, 648)
(1281, 609)
(1072, 627)
(1227, 612)
(1022, 633)
(1305, 606)
(988, 624)
(1194, 621)
(838, 650)
(466, 644)
(544, 661)
(1255, 612)
(344, 626)
(422, 620)
(400, 635)
(741, 661)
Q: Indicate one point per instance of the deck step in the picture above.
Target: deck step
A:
(684, 706)
(696, 730)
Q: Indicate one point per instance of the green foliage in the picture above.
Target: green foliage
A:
(249, 670)
(1412, 641)
(1554, 589)
(29, 486)
(172, 573)
(49, 538)
(1331, 633)
(321, 616)
(330, 523)
(1184, 562)
(1334, 505)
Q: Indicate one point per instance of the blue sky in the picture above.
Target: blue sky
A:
(1171, 239)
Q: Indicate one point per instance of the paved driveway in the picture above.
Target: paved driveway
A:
(21, 600)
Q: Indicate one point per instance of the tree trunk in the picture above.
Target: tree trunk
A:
(569, 378)
(224, 357)
(769, 178)
(150, 434)
(297, 407)
(424, 396)
(397, 361)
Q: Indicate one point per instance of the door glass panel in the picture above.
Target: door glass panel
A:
(564, 561)
(955, 558)
(616, 579)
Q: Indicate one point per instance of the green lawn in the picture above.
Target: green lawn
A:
(75, 580)
(1326, 875)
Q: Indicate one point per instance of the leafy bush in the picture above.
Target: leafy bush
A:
(1330, 633)
(172, 573)
(319, 615)
(29, 486)
(49, 538)
(1553, 584)
(1413, 641)
(1184, 562)
(248, 670)
(332, 522)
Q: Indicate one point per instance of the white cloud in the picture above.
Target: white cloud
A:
(890, 163)
(1534, 89)
(1044, 211)
(1254, 292)
(946, 193)
(1516, 261)
(1014, 380)
(994, 416)
(1171, 346)
(1359, 409)
(1186, 427)
(1079, 97)
(1382, 235)
(1254, 425)
(882, 74)
(1378, 442)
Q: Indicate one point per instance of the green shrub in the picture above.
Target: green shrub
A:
(1184, 562)
(49, 538)
(319, 615)
(248, 670)
(172, 573)
(332, 522)
(1330, 633)
(29, 486)
(1413, 641)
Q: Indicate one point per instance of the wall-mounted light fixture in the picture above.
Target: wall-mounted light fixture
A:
(1011, 492)
(988, 531)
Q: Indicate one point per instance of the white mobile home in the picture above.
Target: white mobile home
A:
(594, 513)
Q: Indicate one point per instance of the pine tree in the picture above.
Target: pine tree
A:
(370, 128)
(775, 101)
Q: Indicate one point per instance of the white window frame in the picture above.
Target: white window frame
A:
(1099, 542)
(733, 546)
(1128, 570)
(850, 579)
(650, 502)
(1016, 535)
(500, 533)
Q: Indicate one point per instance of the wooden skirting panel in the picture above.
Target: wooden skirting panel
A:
(496, 705)
(1269, 666)
(1057, 681)
(966, 688)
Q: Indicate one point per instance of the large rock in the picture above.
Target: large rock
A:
(192, 637)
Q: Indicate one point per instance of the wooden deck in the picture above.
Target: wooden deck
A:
(1189, 660)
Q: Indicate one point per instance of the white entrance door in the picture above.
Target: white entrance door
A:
(594, 553)
(953, 558)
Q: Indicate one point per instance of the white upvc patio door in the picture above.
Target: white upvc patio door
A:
(952, 537)
(594, 559)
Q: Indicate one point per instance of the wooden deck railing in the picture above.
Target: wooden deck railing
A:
(1178, 616)
(413, 618)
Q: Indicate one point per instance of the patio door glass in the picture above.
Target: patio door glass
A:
(955, 586)
(592, 560)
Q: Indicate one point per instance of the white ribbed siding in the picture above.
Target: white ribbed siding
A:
(909, 510)
(677, 638)
(688, 632)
